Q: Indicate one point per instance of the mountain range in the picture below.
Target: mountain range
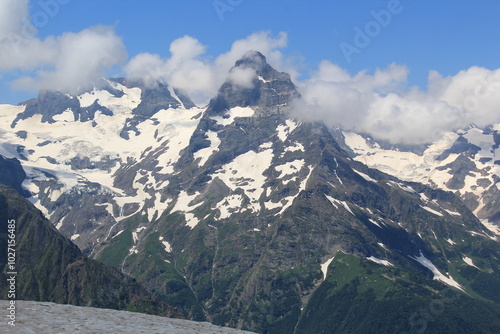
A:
(239, 214)
(465, 162)
(49, 267)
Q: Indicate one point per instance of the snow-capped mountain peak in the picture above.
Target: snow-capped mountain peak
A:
(237, 212)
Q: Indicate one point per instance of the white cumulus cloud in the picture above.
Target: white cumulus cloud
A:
(80, 60)
(13, 14)
(378, 103)
(188, 67)
(68, 62)
(381, 105)
(242, 77)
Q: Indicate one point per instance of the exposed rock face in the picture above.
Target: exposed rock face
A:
(154, 99)
(50, 104)
(12, 174)
(269, 93)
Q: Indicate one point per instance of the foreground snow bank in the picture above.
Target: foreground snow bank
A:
(41, 317)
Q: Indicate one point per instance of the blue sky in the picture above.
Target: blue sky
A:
(451, 35)
(446, 36)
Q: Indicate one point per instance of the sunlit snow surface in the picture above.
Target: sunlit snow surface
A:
(183, 204)
(336, 203)
(437, 274)
(288, 201)
(162, 137)
(364, 176)
(246, 172)
(53, 146)
(229, 205)
(41, 317)
(434, 212)
(430, 167)
(469, 261)
(166, 244)
(205, 153)
(232, 114)
(493, 228)
(379, 261)
(285, 129)
(324, 267)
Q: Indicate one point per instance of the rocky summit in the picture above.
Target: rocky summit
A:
(241, 215)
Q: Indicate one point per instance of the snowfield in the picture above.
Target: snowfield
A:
(431, 167)
(41, 317)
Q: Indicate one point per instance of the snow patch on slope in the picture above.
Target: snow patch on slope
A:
(324, 267)
(183, 204)
(246, 172)
(135, 234)
(437, 274)
(434, 212)
(451, 242)
(229, 205)
(294, 148)
(289, 200)
(285, 129)
(289, 168)
(365, 176)
(403, 187)
(184, 200)
(379, 261)
(493, 228)
(206, 152)
(335, 202)
(166, 244)
(469, 261)
(374, 222)
(181, 125)
(232, 114)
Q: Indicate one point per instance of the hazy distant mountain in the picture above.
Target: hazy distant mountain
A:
(466, 162)
(245, 217)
